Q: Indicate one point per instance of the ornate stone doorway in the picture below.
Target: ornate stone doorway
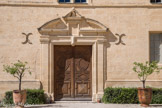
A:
(73, 70)
(73, 29)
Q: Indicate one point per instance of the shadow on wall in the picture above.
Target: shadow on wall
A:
(110, 37)
(41, 85)
(117, 38)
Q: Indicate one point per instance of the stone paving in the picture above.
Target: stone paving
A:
(90, 105)
(86, 105)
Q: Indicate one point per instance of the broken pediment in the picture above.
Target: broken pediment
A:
(72, 24)
(73, 14)
(58, 24)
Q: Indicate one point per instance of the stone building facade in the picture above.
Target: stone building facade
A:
(77, 48)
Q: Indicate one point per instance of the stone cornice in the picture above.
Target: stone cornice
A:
(50, 4)
(101, 41)
(44, 40)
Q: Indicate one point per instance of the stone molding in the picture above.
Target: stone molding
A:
(73, 29)
(54, 3)
(81, 6)
(72, 20)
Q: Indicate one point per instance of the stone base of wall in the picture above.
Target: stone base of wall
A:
(156, 84)
(13, 85)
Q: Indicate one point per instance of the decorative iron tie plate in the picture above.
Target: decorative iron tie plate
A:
(27, 38)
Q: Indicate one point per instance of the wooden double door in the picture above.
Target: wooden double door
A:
(73, 72)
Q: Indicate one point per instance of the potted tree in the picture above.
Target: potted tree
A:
(18, 70)
(143, 71)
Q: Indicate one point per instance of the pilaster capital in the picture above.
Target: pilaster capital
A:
(44, 40)
(101, 41)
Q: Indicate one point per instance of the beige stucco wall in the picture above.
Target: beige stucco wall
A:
(134, 18)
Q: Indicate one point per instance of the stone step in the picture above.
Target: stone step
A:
(74, 102)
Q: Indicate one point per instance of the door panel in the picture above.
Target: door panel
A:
(72, 72)
(63, 71)
(82, 71)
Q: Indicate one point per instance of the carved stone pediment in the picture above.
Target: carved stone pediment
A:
(72, 24)
(73, 15)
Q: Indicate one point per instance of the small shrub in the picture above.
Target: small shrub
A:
(8, 98)
(129, 95)
(33, 97)
(157, 96)
(120, 95)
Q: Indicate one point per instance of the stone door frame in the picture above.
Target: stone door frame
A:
(99, 57)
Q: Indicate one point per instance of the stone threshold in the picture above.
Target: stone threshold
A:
(74, 102)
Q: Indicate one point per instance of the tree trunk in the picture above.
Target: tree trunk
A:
(143, 83)
(20, 84)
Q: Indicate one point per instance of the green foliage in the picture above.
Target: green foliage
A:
(144, 70)
(129, 95)
(33, 97)
(120, 95)
(8, 98)
(157, 96)
(17, 70)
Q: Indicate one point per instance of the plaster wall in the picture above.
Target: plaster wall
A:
(135, 22)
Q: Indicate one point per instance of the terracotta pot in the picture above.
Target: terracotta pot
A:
(19, 98)
(145, 96)
(98, 100)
